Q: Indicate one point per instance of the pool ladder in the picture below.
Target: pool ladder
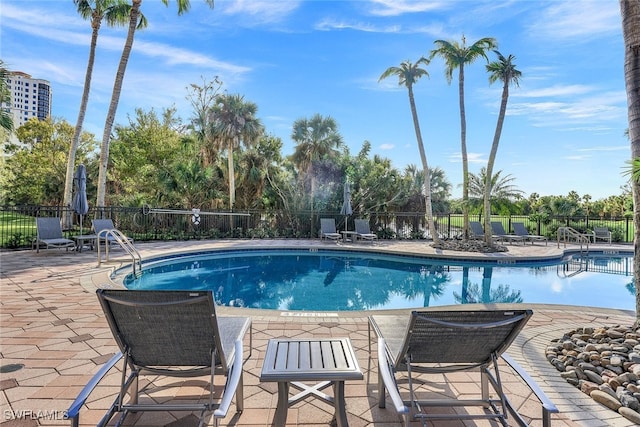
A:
(568, 234)
(125, 243)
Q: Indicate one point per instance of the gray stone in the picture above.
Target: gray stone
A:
(607, 389)
(587, 367)
(630, 402)
(594, 377)
(612, 333)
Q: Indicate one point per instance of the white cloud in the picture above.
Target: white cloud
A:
(471, 157)
(581, 21)
(262, 11)
(557, 90)
(387, 146)
(400, 7)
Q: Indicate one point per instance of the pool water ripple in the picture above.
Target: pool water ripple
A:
(337, 280)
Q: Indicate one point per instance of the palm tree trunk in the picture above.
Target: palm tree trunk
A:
(630, 11)
(68, 182)
(463, 153)
(492, 159)
(113, 106)
(232, 178)
(427, 175)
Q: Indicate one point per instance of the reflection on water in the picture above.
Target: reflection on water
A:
(334, 281)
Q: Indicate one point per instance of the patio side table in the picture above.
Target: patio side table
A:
(327, 361)
(349, 236)
(80, 240)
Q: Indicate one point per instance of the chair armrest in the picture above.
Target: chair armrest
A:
(73, 413)
(389, 380)
(232, 382)
(548, 407)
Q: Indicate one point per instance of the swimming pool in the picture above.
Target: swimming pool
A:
(339, 280)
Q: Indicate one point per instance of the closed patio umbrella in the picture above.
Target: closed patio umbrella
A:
(346, 204)
(79, 203)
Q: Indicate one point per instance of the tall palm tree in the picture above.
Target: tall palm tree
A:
(233, 121)
(113, 12)
(408, 74)
(136, 21)
(456, 56)
(316, 139)
(503, 70)
(6, 120)
(630, 12)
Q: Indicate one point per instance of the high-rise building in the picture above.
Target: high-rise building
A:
(29, 98)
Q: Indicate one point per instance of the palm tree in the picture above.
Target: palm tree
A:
(408, 74)
(457, 56)
(501, 188)
(505, 71)
(630, 12)
(114, 12)
(136, 21)
(233, 121)
(316, 139)
(6, 120)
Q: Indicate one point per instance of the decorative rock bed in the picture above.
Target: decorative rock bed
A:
(469, 246)
(603, 363)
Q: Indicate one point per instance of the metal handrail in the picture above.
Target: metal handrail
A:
(124, 242)
(567, 233)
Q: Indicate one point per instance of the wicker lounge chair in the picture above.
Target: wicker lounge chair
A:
(441, 342)
(521, 230)
(49, 235)
(363, 231)
(328, 229)
(499, 233)
(174, 334)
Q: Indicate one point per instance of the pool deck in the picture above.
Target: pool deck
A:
(51, 323)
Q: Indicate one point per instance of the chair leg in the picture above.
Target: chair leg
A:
(240, 392)
(381, 392)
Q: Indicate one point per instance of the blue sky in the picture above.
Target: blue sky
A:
(565, 123)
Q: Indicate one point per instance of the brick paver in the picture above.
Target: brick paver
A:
(54, 337)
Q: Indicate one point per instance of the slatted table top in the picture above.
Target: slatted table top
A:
(312, 359)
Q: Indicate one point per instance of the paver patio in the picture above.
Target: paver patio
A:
(54, 334)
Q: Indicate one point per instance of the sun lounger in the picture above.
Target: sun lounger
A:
(521, 230)
(442, 342)
(476, 230)
(363, 231)
(601, 233)
(498, 231)
(102, 228)
(49, 234)
(173, 334)
(328, 229)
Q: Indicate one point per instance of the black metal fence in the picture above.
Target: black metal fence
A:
(18, 230)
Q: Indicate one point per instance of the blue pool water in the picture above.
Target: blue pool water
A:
(335, 280)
